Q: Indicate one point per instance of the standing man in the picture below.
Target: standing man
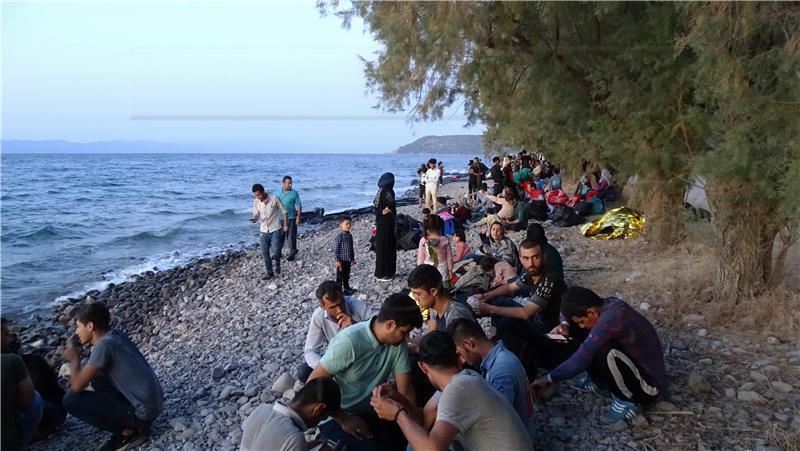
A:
(266, 208)
(291, 202)
(497, 176)
(432, 178)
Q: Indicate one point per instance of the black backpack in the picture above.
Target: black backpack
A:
(537, 209)
(409, 240)
(564, 216)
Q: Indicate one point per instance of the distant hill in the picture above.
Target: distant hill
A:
(451, 144)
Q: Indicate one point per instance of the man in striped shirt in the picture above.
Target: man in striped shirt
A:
(279, 427)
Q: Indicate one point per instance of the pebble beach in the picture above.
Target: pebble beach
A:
(222, 341)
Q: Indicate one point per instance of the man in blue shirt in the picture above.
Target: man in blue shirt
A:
(291, 202)
(499, 366)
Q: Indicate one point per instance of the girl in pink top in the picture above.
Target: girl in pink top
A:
(434, 248)
(462, 249)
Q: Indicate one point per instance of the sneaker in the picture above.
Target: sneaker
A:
(620, 410)
(268, 276)
(349, 291)
(290, 258)
(584, 383)
(277, 267)
(119, 442)
(383, 279)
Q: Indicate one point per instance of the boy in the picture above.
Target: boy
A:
(282, 428)
(127, 395)
(344, 254)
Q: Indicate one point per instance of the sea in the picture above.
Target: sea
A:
(72, 223)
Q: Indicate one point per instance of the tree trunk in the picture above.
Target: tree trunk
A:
(744, 237)
(661, 200)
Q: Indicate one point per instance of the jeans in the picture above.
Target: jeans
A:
(28, 419)
(290, 236)
(387, 435)
(105, 408)
(271, 244)
(303, 371)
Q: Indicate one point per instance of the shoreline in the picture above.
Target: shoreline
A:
(311, 222)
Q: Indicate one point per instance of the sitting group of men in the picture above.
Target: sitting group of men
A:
(393, 381)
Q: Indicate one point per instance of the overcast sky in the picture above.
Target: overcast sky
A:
(220, 73)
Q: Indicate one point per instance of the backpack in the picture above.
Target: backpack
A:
(449, 223)
(409, 240)
(537, 209)
(563, 216)
(584, 208)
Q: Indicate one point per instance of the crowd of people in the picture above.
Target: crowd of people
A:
(422, 371)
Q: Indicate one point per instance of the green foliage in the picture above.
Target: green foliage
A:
(659, 89)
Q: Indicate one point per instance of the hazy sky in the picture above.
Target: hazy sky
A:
(265, 71)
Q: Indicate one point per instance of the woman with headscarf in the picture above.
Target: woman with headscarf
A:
(605, 181)
(500, 246)
(385, 240)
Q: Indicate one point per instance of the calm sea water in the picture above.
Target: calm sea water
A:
(72, 223)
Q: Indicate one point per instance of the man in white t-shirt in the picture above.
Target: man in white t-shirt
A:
(431, 178)
(469, 410)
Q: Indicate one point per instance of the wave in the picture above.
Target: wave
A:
(47, 232)
(148, 236)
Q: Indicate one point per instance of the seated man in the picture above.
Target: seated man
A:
(426, 285)
(21, 405)
(126, 395)
(282, 428)
(362, 357)
(542, 288)
(45, 381)
(622, 351)
(500, 367)
(552, 258)
(467, 405)
(335, 313)
(519, 213)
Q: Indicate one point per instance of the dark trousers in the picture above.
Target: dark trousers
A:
(343, 275)
(271, 245)
(387, 435)
(105, 408)
(290, 237)
(528, 341)
(472, 184)
(622, 375)
(303, 371)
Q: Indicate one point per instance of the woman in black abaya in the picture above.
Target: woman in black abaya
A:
(385, 241)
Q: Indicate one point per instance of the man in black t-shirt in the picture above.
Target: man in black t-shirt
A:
(523, 323)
